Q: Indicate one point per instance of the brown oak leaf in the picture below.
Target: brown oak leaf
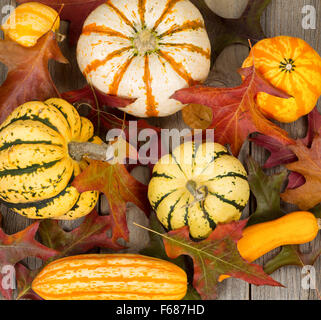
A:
(119, 188)
(92, 233)
(308, 195)
(28, 75)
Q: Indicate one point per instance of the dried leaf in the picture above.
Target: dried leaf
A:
(28, 75)
(266, 190)
(215, 256)
(24, 278)
(309, 165)
(235, 114)
(119, 188)
(92, 233)
(197, 116)
(87, 95)
(19, 246)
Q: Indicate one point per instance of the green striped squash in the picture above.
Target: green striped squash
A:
(36, 170)
(198, 186)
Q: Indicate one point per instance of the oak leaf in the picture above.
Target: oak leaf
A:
(225, 32)
(28, 75)
(266, 190)
(235, 114)
(19, 246)
(24, 277)
(119, 188)
(215, 256)
(92, 233)
(308, 195)
(281, 154)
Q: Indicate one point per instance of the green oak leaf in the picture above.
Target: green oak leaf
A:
(266, 190)
(224, 32)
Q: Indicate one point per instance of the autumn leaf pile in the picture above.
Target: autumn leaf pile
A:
(236, 118)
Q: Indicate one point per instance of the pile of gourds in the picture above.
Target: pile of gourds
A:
(196, 185)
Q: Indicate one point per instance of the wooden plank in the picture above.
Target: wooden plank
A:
(283, 17)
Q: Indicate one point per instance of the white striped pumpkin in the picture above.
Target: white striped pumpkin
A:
(145, 49)
(36, 169)
(220, 179)
(111, 277)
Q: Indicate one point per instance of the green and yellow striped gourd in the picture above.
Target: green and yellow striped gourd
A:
(36, 169)
(198, 186)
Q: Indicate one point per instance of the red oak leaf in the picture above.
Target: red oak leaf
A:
(92, 233)
(74, 11)
(28, 75)
(87, 95)
(119, 188)
(215, 256)
(235, 114)
(282, 154)
(19, 246)
(24, 278)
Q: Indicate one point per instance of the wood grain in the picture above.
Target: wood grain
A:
(281, 17)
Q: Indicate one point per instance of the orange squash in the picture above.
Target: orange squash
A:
(298, 227)
(111, 277)
(29, 22)
(293, 66)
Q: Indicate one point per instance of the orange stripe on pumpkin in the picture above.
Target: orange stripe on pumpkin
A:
(110, 280)
(188, 25)
(189, 47)
(94, 294)
(94, 65)
(169, 5)
(53, 269)
(93, 28)
(120, 14)
(151, 110)
(142, 10)
(178, 68)
(113, 88)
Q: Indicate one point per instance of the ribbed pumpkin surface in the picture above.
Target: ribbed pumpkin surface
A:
(211, 168)
(111, 277)
(293, 66)
(35, 167)
(145, 50)
(29, 22)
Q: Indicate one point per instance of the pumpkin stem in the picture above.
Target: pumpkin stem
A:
(79, 150)
(60, 37)
(199, 194)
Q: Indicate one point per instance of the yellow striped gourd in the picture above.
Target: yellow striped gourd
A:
(36, 169)
(111, 277)
(30, 21)
(199, 186)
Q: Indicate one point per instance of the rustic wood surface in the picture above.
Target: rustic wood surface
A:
(282, 17)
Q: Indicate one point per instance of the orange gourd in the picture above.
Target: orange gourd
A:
(30, 21)
(111, 277)
(293, 66)
(294, 228)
